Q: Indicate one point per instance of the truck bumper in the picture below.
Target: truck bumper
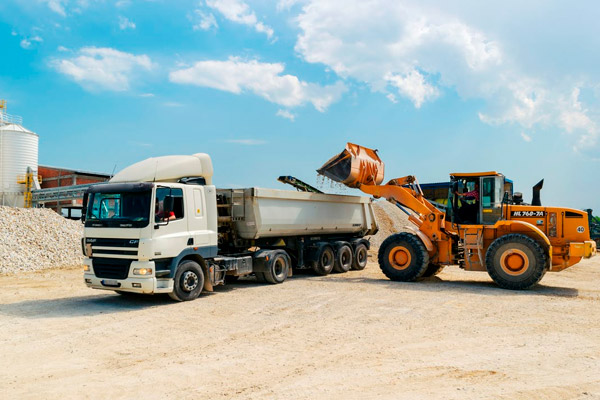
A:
(133, 283)
(582, 249)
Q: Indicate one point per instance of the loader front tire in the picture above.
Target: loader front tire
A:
(432, 270)
(403, 257)
(515, 261)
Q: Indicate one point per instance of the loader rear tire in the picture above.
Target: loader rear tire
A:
(403, 257)
(343, 258)
(515, 261)
(360, 257)
(324, 261)
(432, 270)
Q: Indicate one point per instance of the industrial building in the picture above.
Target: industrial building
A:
(23, 183)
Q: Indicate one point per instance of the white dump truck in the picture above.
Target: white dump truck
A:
(160, 226)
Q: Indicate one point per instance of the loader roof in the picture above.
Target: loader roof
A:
(474, 174)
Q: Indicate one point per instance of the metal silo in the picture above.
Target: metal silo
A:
(18, 152)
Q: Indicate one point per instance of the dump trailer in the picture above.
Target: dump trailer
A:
(160, 226)
(483, 226)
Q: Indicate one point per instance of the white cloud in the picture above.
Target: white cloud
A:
(239, 12)
(247, 142)
(103, 68)
(205, 22)
(125, 23)
(283, 5)
(413, 86)
(147, 95)
(58, 6)
(416, 50)
(286, 114)
(526, 137)
(27, 42)
(63, 49)
(263, 79)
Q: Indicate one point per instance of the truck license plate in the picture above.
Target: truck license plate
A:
(110, 282)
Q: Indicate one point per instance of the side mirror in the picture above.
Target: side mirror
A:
(84, 206)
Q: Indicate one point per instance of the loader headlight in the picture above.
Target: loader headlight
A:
(142, 271)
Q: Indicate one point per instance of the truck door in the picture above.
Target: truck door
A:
(492, 188)
(198, 220)
(170, 237)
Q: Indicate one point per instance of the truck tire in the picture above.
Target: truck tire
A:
(260, 277)
(360, 257)
(188, 281)
(432, 270)
(279, 267)
(343, 258)
(324, 260)
(515, 261)
(403, 257)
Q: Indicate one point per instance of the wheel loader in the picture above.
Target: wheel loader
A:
(488, 228)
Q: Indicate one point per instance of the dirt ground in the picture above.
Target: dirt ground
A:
(352, 336)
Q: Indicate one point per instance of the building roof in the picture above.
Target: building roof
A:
(78, 171)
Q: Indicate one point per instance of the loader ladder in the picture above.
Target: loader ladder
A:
(473, 241)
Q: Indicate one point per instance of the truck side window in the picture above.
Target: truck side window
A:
(177, 194)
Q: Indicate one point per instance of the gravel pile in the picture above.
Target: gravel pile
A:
(37, 238)
(391, 220)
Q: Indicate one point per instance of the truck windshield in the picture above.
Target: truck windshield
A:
(122, 210)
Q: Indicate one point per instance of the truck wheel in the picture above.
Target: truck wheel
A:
(325, 259)
(188, 282)
(279, 267)
(343, 259)
(432, 270)
(403, 257)
(260, 277)
(515, 261)
(360, 257)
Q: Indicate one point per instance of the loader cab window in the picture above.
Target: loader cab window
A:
(492, 193)
(177, 212)
(467, 200)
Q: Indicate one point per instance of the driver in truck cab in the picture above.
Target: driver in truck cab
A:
(159, 213)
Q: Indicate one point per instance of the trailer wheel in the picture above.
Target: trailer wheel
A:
(403, 257)
(279, 267)
(188, 281)
(515, 261)
(360, 257)
(432, 270)
(325, 260)
(343, 258)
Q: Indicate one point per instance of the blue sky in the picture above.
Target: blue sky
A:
(277, 87)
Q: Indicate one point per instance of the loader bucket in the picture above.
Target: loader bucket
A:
(354, 166)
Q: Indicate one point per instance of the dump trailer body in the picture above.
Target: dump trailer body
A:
(267, 213)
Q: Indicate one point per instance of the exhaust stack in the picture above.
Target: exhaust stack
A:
(536, 201)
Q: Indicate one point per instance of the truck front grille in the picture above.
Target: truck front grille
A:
(111, 268)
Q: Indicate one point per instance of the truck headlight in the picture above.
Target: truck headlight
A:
(86, 268)
(142, 271)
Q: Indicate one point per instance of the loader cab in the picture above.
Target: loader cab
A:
(484, 208)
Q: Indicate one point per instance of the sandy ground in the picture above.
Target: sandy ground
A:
(352, 336)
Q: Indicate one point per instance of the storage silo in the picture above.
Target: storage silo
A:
(18, 152)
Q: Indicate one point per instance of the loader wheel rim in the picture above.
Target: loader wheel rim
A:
(400, 258)
(514, 262)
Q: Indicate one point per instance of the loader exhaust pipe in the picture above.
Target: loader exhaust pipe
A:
(354, 166)
(535, 200)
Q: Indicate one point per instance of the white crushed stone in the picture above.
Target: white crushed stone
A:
(390, 220)
(37, 238)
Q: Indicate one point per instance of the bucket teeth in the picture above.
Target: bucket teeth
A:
(354, 166)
